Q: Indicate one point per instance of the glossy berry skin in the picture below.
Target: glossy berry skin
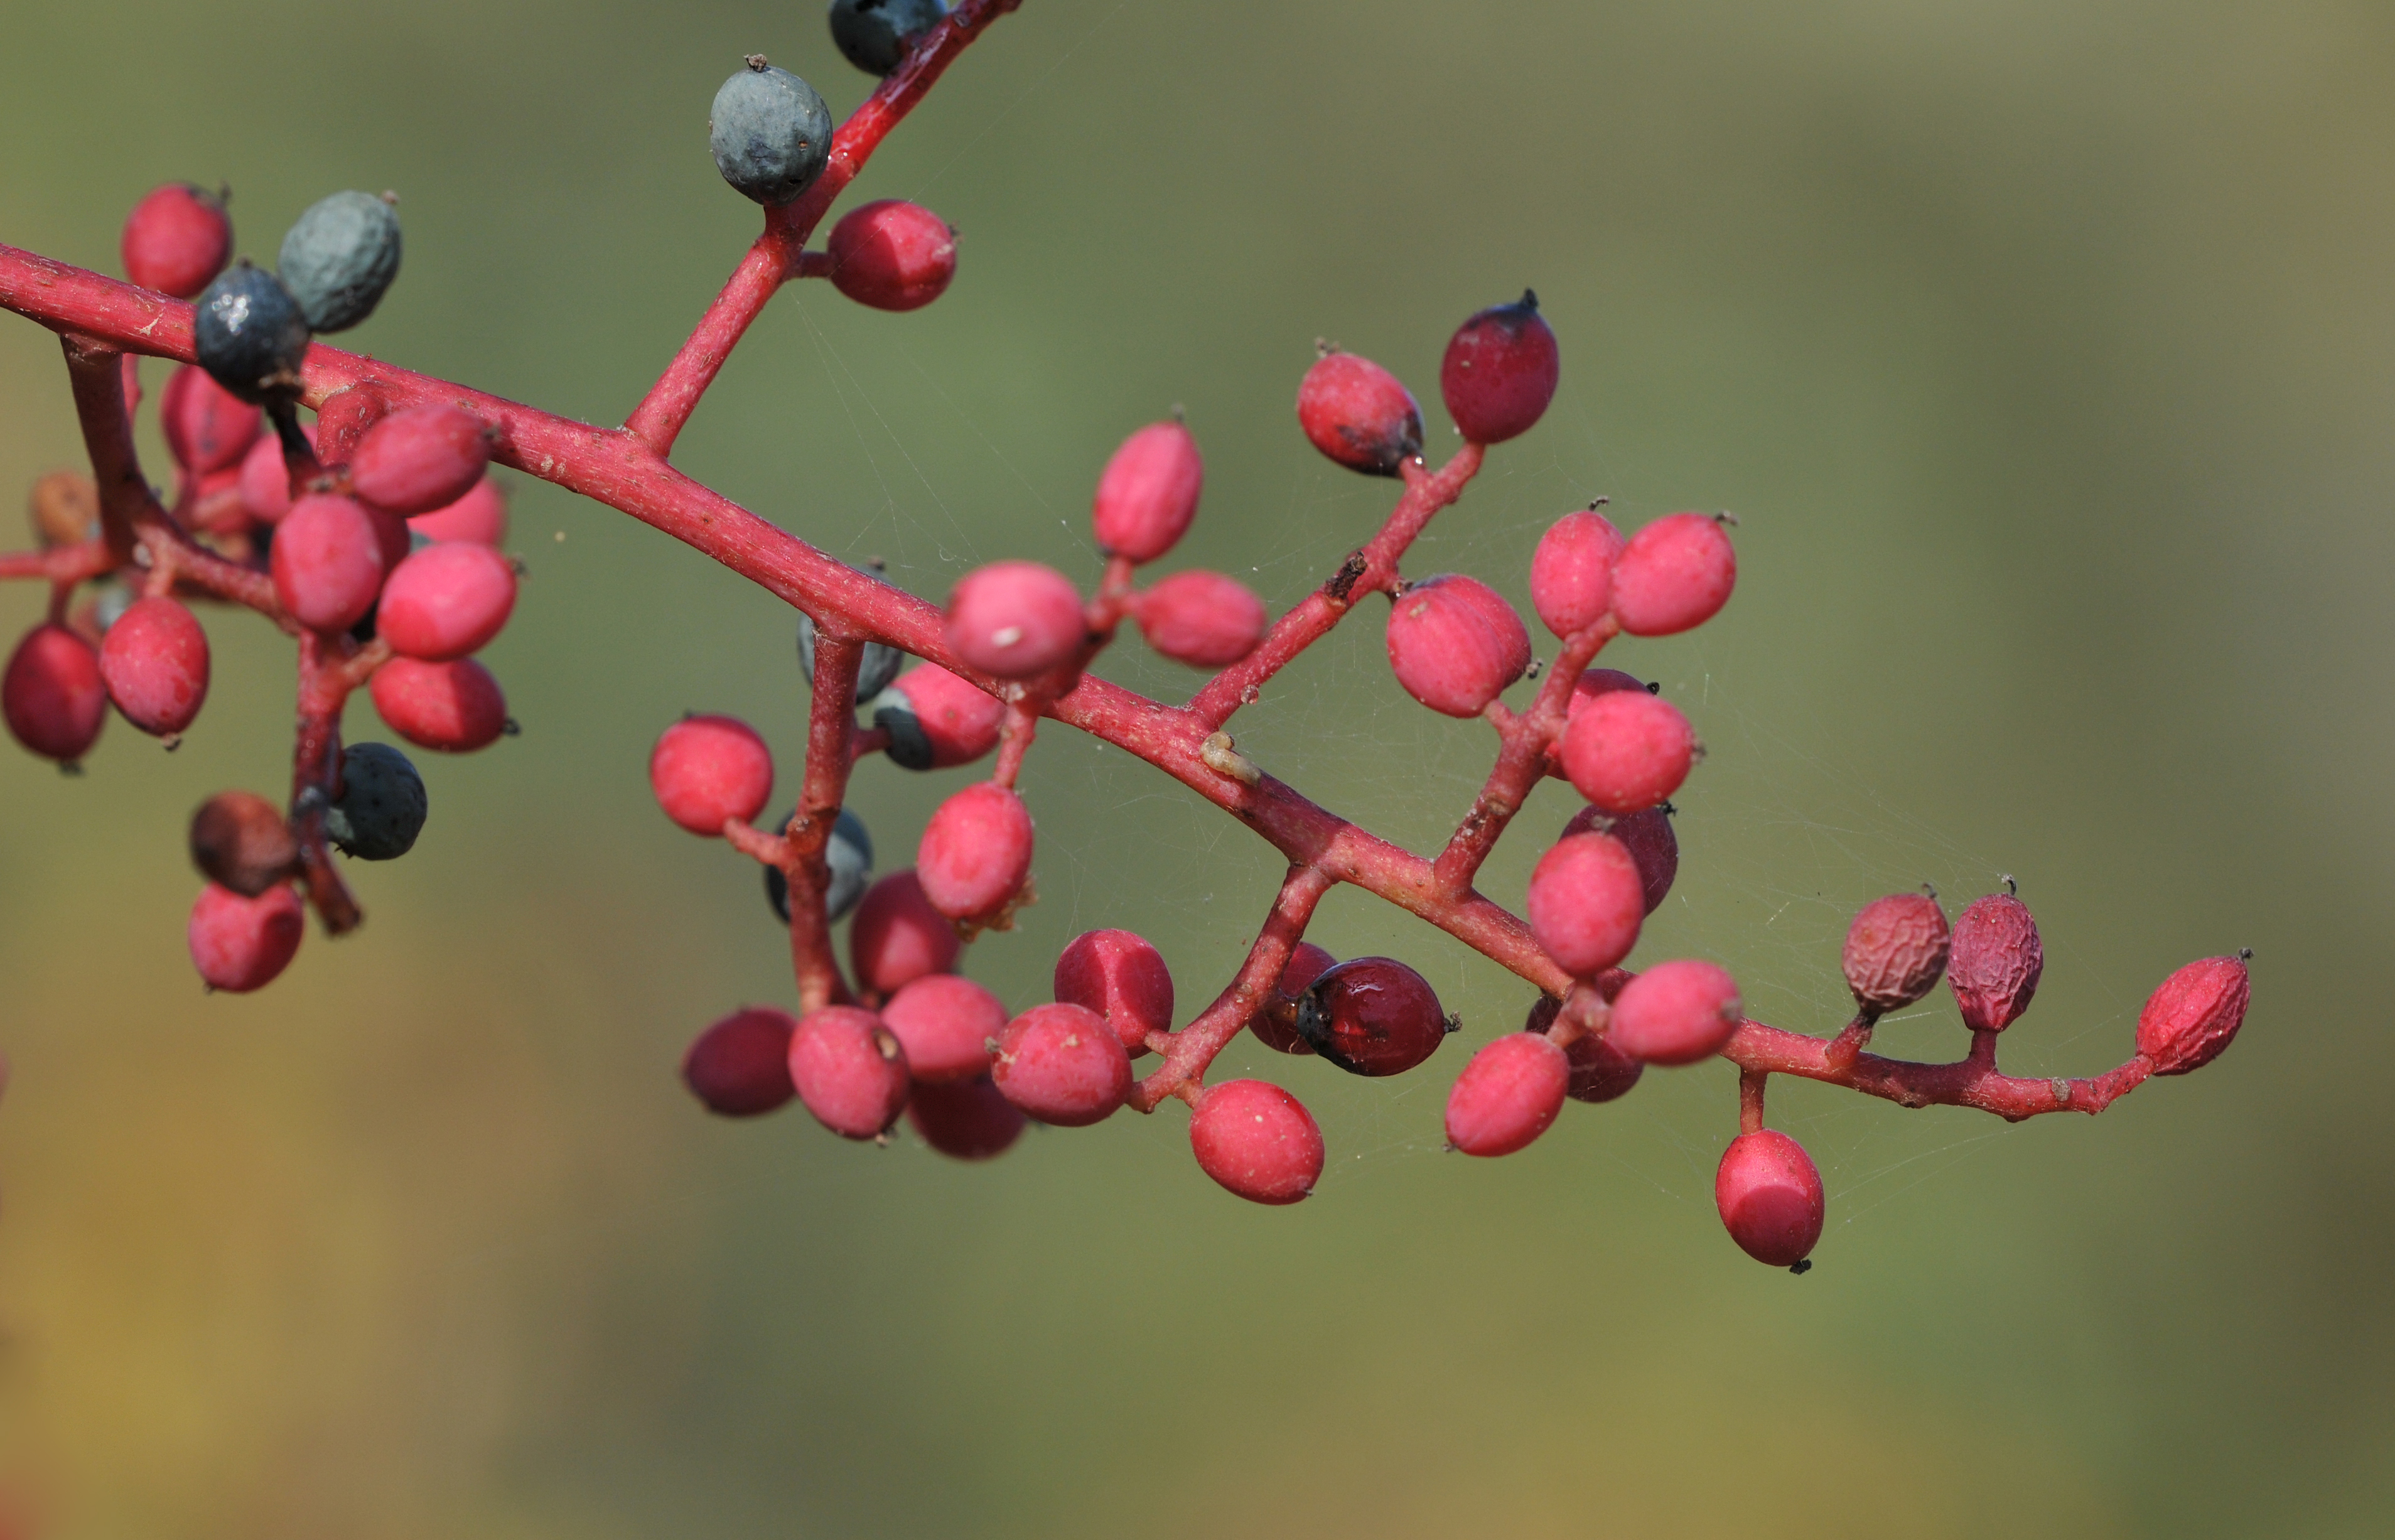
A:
(382, 805)
(1062, 1065)
(874, 671)
(1500, 371)
(1355, 412)
(770, 132)
(175, 239)
(2191, 1019)
(1508, 1095)
(740, 1066)
(1123, 978)
(936, 720)
(1676, 1013)
(340, 258)
(52, 695)
(266, 481)
(850, 1071)
(420, 459)
(207, 428)
(1148, 492)
(707, 770)
(1571, 572)
(849, 856)
(1674, 575)
(975, 852)
(1994, 961)
(241, 944)
(155, 661)
(946, 1023)
(446, 600)
(1649, 838)
(1770, 1198)
(240, 842)
(891, 256)
(1015, 619)
(967, 1120)
(1200, 619)
(1372, 1016)
(249, 334)
(1586, 900)
(897, 937)
(1454, 644)
(1257, 1140)
(874, 35)
(1627, 750)
(452, 708)
(1307, 964)
(1895, 952)
(480, 516)
(326, 562)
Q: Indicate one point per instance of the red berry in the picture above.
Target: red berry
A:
(1627, 750)
(155, 661)
(1062, 1065)
(266, 479)
(850, 1071)
(423, 459)
(239, 840)
(240, 944)
(709, 770)
(344, 420)
(1200, 619)
(1148, 492)
(480, 516)
(1507, 1095)
(1895, 950)
(1015, 619)
(1500, 371)
(175, 239)
(446, 601)
(939, 720)
(208, 427)
(1585, 902)
(897, 935)
(1994, 961)
(1770, 1198)
(946, 1023)
(2191, 1018)
(1571, 572)
(1355, 412)
(1455, 645)
(328, 561)
(1593, 683)
(1257, 1140)
(1675, 1013)
(892, 255)
(1675, 574)
(1649, 838)
(454, 708)
(1121, 977)
(52, 695)
(1372, 1016)
(1307, 964)
(967, 1120)
(740, 1066)
(975, 852)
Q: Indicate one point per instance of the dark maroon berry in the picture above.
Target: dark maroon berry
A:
(1500, 371)
(1372, 1016)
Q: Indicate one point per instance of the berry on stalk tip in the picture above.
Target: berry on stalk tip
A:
(1993, 961)
(892, 255)
(1895, 951)
(1148, 495)
(770, 132)
(1357, 412)
(1770, 1198)
(1500, 371)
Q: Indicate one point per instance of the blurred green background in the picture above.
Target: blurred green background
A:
(2043, 350)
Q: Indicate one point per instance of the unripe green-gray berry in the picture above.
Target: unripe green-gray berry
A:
(382, 805)
(771, 133)
(849, 853)
(873, 675)
(874, 35)
(340, 258)
(248, 333)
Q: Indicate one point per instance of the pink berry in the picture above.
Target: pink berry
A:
(240, 944)
(892, 255)
(1628, 750)
(896, 936)
(1455, 645)
(1770, 1198)
(1015, 619)
(2191, 1019)
(265, 478)
(207, 428)
(1307, 964)
(966, 1120)
(155, 661)
(1994, 961)
(1121, 977)
(939, 720)
(1676, 1013)
(480, 516)
(1148, 492)
(946, 1023)
(1649, 838)
(446, 601)
(1200, 619)
(707, 770)
(1895, 951)
(1062, 1065)
(1500, 371)
(423, 459)
(326, 562)
(52, 693)
(740, 1066)
(1257, 1140)
(175, 239)
(975, 852)
(1571, 572)
(1507, 1095)
(1586, 903)
(850, 1071)
(454, 708)
(1355, 412)
(1674, 575)
(1372, 1016)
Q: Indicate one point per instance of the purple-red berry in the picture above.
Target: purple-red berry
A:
(1355, 412)
(1674, 575)
(1586, 900)
(1650, 838)
(1200, 619)
(175, 239)
(446, 600)
(707, 771)
(2191, 1019)
(155, 661)
(52, 696)
(1895, 952)
(241, 944)
(975, 852)
(850, 1071)
(1455, 645)
(1123, 978)
(1148, 492)
(1994, 961)
(1769, 1194)
(1062, 1065)
(892, 255)
(452, 708)
(1507, 1095)
(740, 1066)
(1599, 1071)
(896, 936)
(1675, 1013)
(1627, 750)
(1571, 572)
(946, 1023)
(965, 1120)
(1372, 1016)
(240, 840)
(1500, 371)
(1015, 619)
(1257, 1140)
(1306, 963)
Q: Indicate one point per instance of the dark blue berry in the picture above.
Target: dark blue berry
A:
(873, 676)
(382, 805)
(874, 35)
(849, 853)
(909, 746)
(340, 258)
(249, 334)
(771, 133)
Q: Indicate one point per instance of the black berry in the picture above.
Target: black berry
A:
(382, 805)
(874, 35)
(249, 335)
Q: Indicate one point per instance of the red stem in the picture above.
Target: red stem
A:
(831, 721)
(1194, 1047)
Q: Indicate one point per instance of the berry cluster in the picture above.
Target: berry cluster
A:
(371, 531)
